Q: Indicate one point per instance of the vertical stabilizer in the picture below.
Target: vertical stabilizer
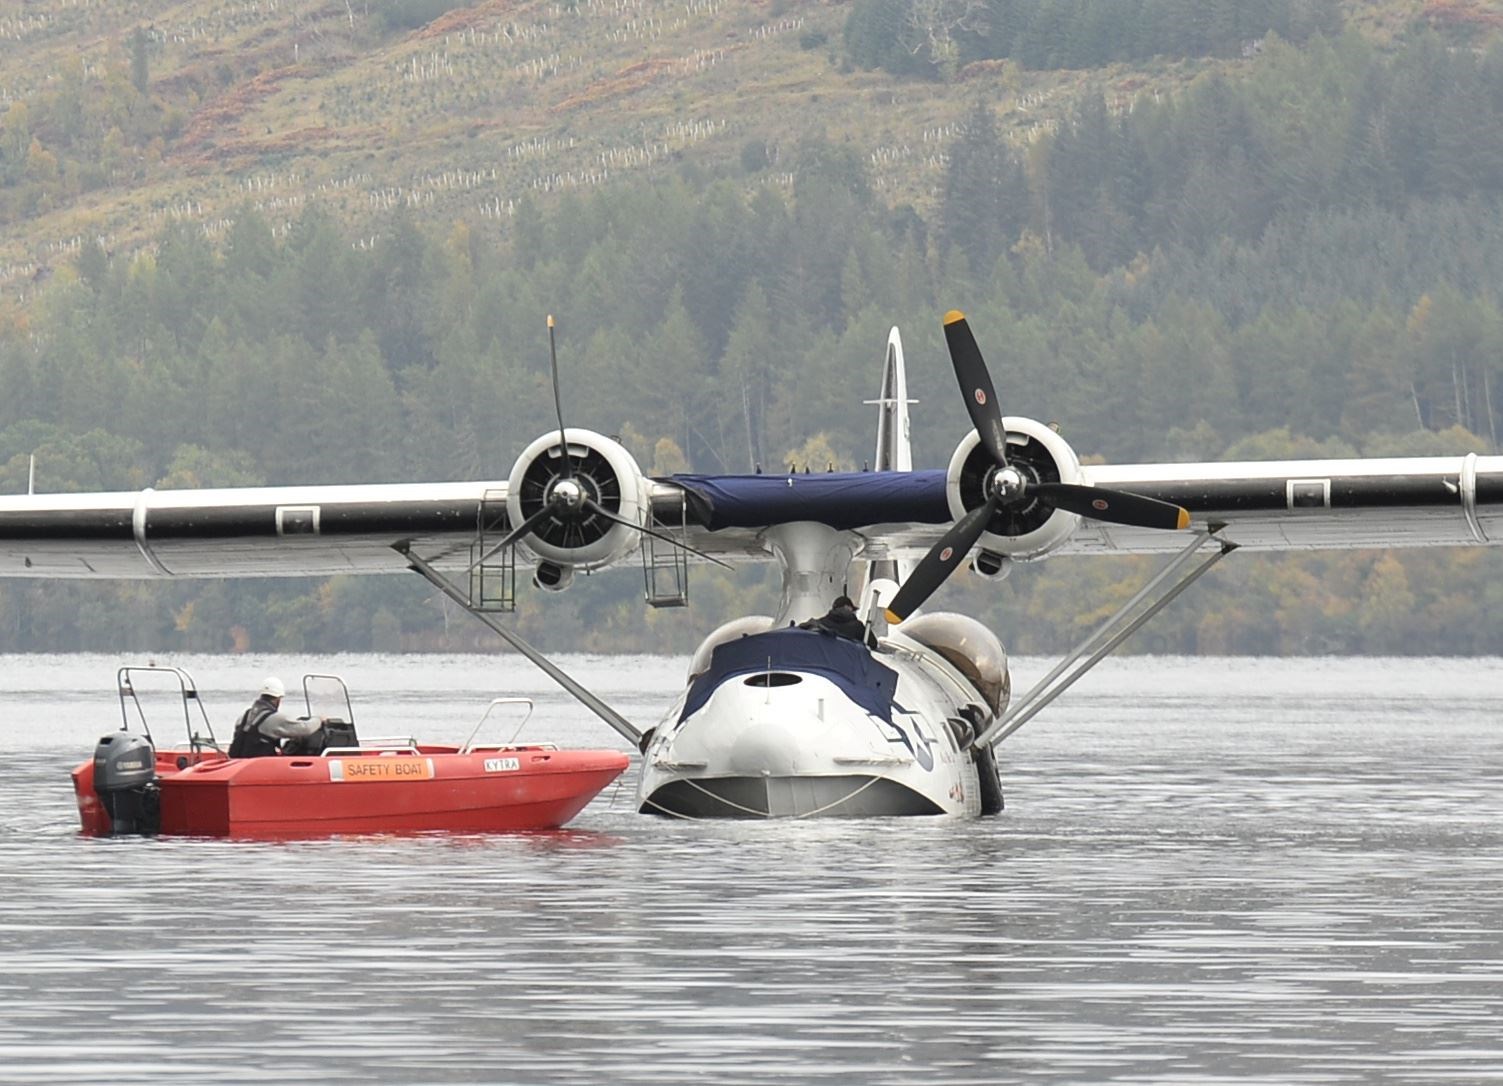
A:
(893, 454)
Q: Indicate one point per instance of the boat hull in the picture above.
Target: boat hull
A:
(428, 789)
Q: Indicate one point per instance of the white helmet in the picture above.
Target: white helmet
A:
(273, 687)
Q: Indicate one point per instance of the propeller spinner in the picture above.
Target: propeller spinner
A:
(1007, 486)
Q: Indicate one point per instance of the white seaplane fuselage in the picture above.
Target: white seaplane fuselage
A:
(780, 742)
(779, 721)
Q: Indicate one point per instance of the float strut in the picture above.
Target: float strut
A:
(552, 670)
(1108, 635)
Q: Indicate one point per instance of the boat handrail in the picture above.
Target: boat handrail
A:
(469, 744)
(188, 692)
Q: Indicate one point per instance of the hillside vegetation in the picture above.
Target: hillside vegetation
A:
(121, 117)
(124, 117)
(336, 269)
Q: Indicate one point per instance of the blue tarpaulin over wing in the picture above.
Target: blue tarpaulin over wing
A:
(841, 499)
(867, 682)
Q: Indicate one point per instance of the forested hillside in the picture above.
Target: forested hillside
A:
(1291, 247)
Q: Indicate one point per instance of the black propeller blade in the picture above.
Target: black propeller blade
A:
(558, 402)
(1117, 506)
(976, 386)
(595, 507)
(553, 507)
(941, 561)
(1007, 485)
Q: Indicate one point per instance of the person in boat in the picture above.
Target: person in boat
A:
(841, 620)
(262, 727)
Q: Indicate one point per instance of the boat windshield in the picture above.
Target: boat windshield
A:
(327, 696)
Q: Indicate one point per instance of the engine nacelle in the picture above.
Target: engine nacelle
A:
(607, 475)
(971, 649)
(1029, 529)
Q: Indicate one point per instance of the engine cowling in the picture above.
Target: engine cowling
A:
(607, 474)
(971, 649)
(1029, 529)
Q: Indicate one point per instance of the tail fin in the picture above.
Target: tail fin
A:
(893, 454)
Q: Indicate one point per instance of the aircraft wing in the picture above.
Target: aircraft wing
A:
(1312, 504)
(1265, 505)
(326, 530)
(244, 532)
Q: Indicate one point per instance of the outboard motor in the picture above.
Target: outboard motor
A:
(125, 779)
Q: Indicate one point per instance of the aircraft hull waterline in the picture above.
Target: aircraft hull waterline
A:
(431, 788)
(849, 796)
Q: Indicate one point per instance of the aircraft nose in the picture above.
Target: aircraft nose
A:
(764, 748)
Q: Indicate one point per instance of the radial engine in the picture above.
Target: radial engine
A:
(600, 478)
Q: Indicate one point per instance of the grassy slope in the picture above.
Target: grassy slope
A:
(285, 105)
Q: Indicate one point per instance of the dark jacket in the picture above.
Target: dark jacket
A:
(250, 741)
(840, 621)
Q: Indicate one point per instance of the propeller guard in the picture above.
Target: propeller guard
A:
(1021, 530)
(605, 473)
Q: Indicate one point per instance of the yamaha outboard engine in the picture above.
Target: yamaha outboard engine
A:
(125, 779)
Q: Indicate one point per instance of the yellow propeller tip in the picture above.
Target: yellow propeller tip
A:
(892, 617)
(954, 315)
(1184, 519)
(550, 320)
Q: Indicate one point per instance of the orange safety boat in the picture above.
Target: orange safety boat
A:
(336, 784)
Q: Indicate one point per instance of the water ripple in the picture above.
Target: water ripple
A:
(1304, 889)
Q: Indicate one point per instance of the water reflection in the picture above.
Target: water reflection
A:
(1301, 889)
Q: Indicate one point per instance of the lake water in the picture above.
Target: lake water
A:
(1271, 871)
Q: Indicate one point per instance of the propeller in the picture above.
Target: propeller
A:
(570, 499)
(1006, 485)
(558, 403)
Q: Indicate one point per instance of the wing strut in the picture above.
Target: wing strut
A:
(1111, 633)
(552, 670)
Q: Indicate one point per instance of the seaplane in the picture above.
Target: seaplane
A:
(895, 711)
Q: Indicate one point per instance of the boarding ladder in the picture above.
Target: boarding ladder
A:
(493, 582)
(665, 567)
